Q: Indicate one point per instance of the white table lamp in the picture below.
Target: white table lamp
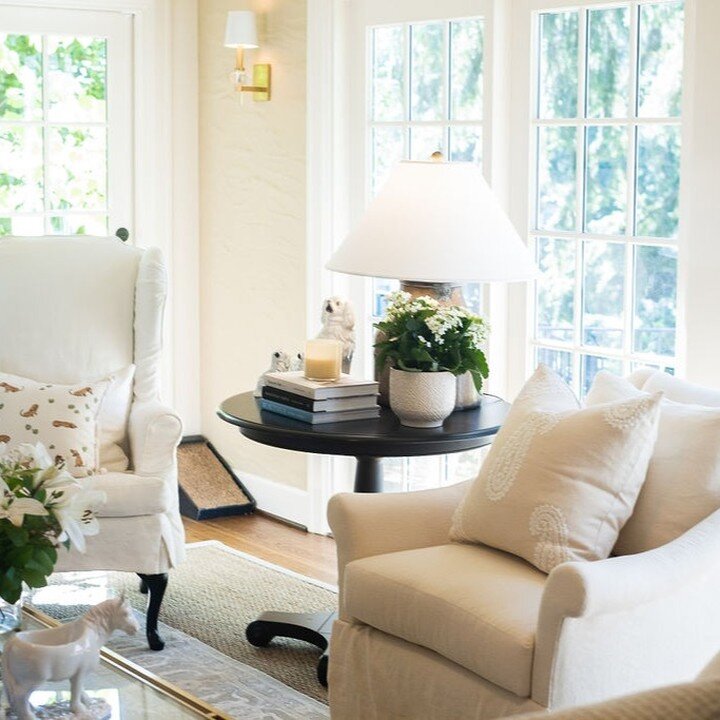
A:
(435, 225)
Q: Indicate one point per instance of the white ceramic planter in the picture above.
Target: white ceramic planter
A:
(422, 399)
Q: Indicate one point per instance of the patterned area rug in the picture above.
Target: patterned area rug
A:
(211, 597)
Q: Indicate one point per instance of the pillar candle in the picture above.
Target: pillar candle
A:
(323, 359)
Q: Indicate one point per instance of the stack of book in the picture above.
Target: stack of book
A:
(293, 395)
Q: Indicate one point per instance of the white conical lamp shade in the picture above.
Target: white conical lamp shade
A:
(435, 222)
(240, 30)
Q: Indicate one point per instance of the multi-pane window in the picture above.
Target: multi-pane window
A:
(606, 132)
(425, 94)
(53, 134)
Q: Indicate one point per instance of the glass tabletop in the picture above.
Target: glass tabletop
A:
(131, 692)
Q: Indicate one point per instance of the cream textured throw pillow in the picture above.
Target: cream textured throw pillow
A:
(683, 478)
(559, 481)
(61, 417)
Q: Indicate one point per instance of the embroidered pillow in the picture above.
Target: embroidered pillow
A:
(682, 486)
(62, 417)
(560, 480)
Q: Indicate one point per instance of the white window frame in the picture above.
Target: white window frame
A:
(118, 121)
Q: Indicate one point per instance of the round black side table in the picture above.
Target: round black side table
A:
(368, 441)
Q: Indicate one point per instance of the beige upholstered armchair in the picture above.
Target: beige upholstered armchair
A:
(433, 629)
(79, 309)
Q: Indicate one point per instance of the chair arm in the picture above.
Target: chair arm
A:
(367, 524)
(629, 623)
(155, 431)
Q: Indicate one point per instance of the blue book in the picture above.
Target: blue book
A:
(318, 418)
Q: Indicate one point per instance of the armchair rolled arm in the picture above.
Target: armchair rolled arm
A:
(369, 524)
(155, 431)
(629, 623)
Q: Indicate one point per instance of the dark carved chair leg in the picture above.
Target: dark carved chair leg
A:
(156, 585)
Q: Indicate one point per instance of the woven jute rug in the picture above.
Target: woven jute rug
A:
(212, 596)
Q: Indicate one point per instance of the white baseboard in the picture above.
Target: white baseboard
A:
(282, 501)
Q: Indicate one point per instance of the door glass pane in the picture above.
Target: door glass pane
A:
(558, 66)
(557, 178)
(603, 293)
(661, 60)
(394, 474)
(591, 366)
(658, 181)
(381, 288)
(20, 77)
(388, 46)
(77, 224)
(466, 144)
(426, 71)
(424, 141)
(556, 289)
(466, 69)
(472, 292)
(425, 473)
(53, 155)
(77, 168)
(655, 299)
(606, 180)
(388, 148)
(21, 168)
(76, 81)
(608, 62)
(559, 360)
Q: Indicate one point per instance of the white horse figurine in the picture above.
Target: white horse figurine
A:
(69, 651)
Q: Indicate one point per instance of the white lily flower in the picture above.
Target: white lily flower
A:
(76, 517)
(16, 509)
(55, 478)
(35, 456)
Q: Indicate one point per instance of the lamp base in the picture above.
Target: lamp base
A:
(446, 294)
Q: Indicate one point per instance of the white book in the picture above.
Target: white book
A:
(296, 382)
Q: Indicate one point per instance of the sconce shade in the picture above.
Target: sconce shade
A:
(241, 30)
(436, 222)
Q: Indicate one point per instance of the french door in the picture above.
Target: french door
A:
(418, 80)
(66, 141)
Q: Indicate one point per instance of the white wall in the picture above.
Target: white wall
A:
(252, 221)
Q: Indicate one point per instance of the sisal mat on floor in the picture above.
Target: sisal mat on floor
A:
(208, 487)
(212, 596)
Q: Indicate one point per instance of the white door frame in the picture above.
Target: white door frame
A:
(165, 168)
(336, 190)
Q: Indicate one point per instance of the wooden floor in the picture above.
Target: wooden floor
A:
(271, 540)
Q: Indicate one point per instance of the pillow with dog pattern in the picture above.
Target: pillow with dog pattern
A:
(64, 418)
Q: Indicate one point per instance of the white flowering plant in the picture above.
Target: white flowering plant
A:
(42, 508)
(421, 335)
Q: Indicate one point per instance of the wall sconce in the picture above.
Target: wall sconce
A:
(241, 34)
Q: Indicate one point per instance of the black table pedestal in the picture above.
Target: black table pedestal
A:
(368, 474)
(314, 628)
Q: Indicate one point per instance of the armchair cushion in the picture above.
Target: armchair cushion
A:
(129, 495)
(471, 604)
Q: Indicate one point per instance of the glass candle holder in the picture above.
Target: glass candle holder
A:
(323, 360)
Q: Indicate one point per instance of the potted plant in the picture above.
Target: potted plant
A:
(428, 346)
(42, 508)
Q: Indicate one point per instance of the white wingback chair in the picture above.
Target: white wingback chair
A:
(77, 309)
(439, 630)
